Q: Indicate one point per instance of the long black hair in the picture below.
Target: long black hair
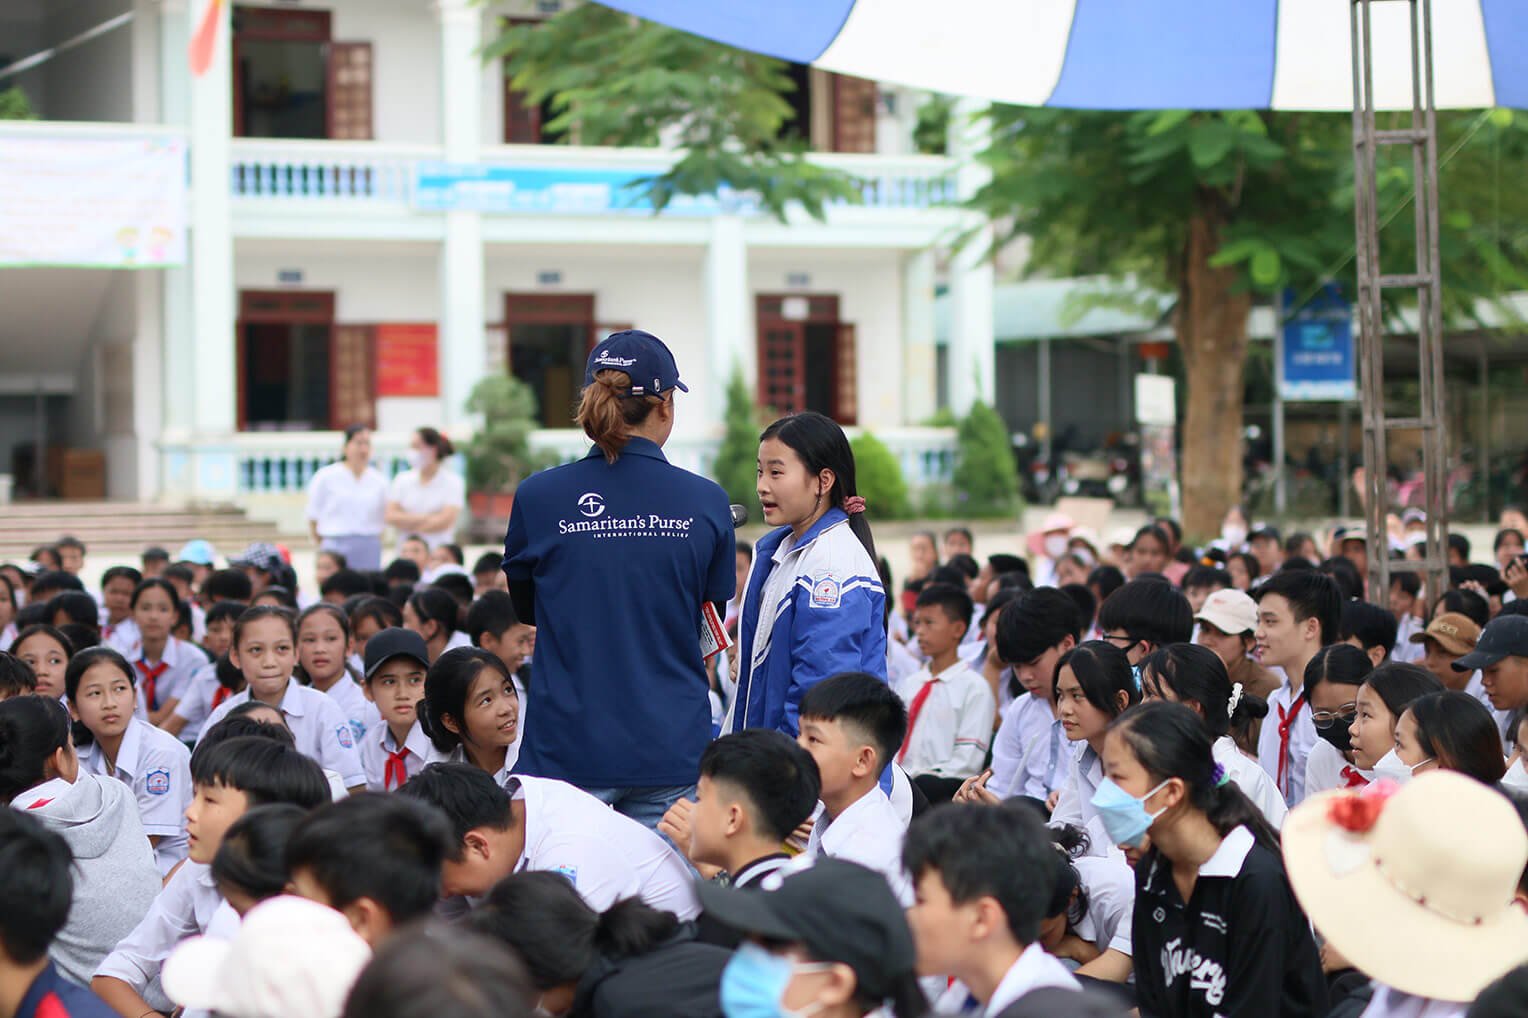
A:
(32, 729)
(1196, 675)
(822, 445)
(1103, 673)
(1455, 729)
(446, 687)
(1171, 741)
(81, 663)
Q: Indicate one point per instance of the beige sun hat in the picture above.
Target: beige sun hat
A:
(1414, 885)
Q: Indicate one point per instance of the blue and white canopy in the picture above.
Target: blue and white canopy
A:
(1127, 54)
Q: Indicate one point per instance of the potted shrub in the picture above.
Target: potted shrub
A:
(499, 454)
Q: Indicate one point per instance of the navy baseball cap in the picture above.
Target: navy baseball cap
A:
(1506, 635)
(395, 642)
(642, 356)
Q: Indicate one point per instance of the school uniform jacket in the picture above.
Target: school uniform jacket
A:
(812, 609)
(1240, 946)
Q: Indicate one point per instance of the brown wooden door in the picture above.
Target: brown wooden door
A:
(522, 119)
(269, 24)
(854, 107)
(782, 378)
(352, 379)
(845, 379)
(548, 346)
(350, 85)
(278, 308)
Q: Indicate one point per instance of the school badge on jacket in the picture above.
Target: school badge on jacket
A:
(157, 782)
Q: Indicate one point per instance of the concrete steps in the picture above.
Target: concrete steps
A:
(127, 527)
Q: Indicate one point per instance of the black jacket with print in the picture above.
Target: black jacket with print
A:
(1240, 947)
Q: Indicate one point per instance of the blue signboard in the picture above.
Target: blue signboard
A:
(560, 190)
(1317, 357)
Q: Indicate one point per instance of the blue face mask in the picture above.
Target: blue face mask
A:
(1124, 816)
(754, 983)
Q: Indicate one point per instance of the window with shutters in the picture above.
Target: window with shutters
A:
(290, 80)
(806, 357)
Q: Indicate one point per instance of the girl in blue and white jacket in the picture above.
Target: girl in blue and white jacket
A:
(814, 605)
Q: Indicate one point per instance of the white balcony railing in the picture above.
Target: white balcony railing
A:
(373, 173)
(282, 463)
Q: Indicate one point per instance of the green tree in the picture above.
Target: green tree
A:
(878, 477)
(499, 453)
(613, 79)
(14, 105)
(1221, 209)
(986, 479)
(737, 458)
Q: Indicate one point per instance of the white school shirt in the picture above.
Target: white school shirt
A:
(318, 725)
(359, 711)
(605, 855)
(340, 504)
(1302, 736)
(1109, 883)
(1035, 969)
(954, 724)
(123, 637)
(867, 832)
(1404, 650)
(157, 767)
(183, 909)
(1074, 803)
(901, 663)
(1029, 753)
(1392, 1003)
(1326, 769)
(196, 701)
(415, 495)
(185, 660)
(1503, 718)
(1249, 776)
(379, 744)
(458, 639)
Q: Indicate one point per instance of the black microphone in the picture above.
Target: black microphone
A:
(739, 515)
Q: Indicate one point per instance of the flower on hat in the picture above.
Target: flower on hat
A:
(1356, 812)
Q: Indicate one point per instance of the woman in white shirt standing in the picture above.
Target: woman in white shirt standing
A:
(346, 501)
(427, 499)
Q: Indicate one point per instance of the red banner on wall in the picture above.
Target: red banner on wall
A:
(408, 360)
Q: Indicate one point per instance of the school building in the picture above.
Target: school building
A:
(372, 220)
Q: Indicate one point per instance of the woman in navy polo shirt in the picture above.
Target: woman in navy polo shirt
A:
(613, 556)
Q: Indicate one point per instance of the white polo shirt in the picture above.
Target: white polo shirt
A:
(196, 701)
(1110, 885)
(1074, 801)
(954, 724)
(340, 504)
(379, 744)
(867, 832)
(415, 495)
(183, 909)
(157, 767)
(318, 725)
(605, 855)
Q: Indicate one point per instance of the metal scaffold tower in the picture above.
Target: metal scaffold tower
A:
(1424, 279)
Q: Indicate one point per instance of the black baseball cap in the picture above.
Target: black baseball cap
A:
(839, 911)
(1504, 636)
(642, 356)
(395, 642)
(1264, 530)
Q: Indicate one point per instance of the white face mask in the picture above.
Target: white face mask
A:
(418, 459)
(1234, 534)
(1391, 766)
(1055, 545)
(1517, 777)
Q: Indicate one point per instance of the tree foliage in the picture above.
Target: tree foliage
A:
(878, 478)
(986, 480)
(499, 453)
(612, 79)
(14, 105)
(736, 466)
(1222, 209)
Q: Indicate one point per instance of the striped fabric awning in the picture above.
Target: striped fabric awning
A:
(1127, 54)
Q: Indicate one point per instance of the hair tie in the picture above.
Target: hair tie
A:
(854, 504)
(1236, 697)
(1220, 776)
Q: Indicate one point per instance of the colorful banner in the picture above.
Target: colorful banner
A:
(408, 360)
(111, 203)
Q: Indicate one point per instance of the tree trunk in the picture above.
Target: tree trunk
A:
(1211, 326)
